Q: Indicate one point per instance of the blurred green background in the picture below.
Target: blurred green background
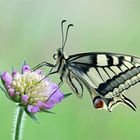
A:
(30, 29)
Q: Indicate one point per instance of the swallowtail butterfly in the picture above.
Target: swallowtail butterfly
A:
(104, 75)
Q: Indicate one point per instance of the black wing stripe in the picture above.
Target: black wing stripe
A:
(119, 80)
(80, 84)
(129, 73)
(78, 89)
(97, 60)
(110, 60)
(125, 98)
(126, 65)
(128, 102)
(75, 57)
(112, 71)
(99, 74)
(120, 69)
(70, 80)
(82, 55)
(121, 58)
(106, 72)
(84, 64)
(91, 80)
(103, 88)
(108, 88)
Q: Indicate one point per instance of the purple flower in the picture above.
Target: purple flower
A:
(6, 77)
(11, 92)
(24, 98)
(25, 68)
(39, 72)
(14, 72)
(26, 89)
(33, 109)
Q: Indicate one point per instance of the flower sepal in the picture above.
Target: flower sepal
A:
(5, 92)
(67, 95)
(47, 111)
(31, 115)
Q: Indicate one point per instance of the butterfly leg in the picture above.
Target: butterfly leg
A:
(59, 85)
(43, 64)
(50, 73)
(47, 76)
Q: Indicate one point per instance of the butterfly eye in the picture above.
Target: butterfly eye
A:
(98, 102)
(54, 56)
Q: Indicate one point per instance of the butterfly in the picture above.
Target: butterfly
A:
(105, 75)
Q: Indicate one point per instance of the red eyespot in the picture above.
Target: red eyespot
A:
(98, 103)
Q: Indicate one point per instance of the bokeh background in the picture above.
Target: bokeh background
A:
(30, 29)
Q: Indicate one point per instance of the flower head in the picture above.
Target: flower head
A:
(31, 90)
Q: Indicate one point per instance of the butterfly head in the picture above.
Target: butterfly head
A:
(58, 55)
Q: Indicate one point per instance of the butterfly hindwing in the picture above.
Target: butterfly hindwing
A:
(75, 84)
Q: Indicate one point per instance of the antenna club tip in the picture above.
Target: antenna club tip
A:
(71, 24)
(63, 21)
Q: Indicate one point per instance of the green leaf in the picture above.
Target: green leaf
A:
(31, 115)
(13, 68)
(46, 111)
(6, 93)
(24, 62)
(21, 105)
(67, 95)
(3, 89)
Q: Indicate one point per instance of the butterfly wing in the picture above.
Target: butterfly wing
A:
(106, 75)
(74, 83)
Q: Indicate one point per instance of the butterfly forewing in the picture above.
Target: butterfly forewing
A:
(109, 73)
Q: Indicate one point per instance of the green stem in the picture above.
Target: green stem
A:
(18, 124)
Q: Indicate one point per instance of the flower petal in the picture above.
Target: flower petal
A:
(14, 72)
(11, 92)
(49, 105)
(6, 77)
(57, 96)
(39, 72)
(32, 109)
(25, 68)
(25, 98)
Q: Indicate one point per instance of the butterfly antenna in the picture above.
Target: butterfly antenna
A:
(66, 35)
(62, 31)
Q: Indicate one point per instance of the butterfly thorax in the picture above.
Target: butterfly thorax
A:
(61, 62)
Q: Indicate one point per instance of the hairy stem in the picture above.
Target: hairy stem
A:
(18, 124)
